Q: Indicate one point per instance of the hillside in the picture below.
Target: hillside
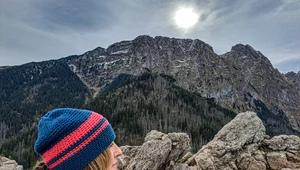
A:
(27, 92)
(153, 101)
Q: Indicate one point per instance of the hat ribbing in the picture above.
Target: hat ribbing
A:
(71, 138)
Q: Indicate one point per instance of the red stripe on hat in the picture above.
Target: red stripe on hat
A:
(79, 147)
(76, 135)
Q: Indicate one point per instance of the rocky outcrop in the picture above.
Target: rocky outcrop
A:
(263, 83)
(241, 144)
(7, 164)
(293, 79)
(157, 152)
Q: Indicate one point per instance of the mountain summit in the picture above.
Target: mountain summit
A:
(242, 79)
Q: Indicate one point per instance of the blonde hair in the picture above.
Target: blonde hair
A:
(99, 163)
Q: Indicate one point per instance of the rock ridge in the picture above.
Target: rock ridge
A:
(240, 80)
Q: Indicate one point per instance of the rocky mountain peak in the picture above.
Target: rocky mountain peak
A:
(240, 47)
(246, 51)
(143, 38)
(184, 44)
(122, 47)
(236, 79)
(96, 52)
(164, 43)
(246, 58)
(263, 81)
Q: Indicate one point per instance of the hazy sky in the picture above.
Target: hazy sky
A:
(37, 30)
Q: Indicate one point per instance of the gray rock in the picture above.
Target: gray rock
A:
(157, 152)
(284, 152)
(246, 128)
(283, 143)
(239, 80)
(241, 144)
(293, 79)
(7, 164)
(129, 152)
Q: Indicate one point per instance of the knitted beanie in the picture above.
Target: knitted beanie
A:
(72, 138)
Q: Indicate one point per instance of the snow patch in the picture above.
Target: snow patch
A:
(120, 52)
(181, 61)
(72, 67)
(106, 64)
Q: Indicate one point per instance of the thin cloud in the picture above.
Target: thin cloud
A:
(289, 65)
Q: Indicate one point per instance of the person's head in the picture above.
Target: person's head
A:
(76, 139)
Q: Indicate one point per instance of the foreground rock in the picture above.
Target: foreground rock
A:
(241, 144)
(158, 151)
(7, 164)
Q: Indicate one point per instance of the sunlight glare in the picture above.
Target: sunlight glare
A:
(186, 18)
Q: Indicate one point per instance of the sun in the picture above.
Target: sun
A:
(186, 18)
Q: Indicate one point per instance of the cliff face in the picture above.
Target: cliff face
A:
(293, 79)
(241, 144)
(264, 83)
(240, 80)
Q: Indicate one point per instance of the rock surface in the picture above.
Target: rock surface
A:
(157, 152)
(7, 164)
(241, 144)
(293, 79)
(240, 80)
(280, 93)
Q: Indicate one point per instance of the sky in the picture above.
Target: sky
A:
(35, 30)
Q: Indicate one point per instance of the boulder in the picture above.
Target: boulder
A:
(157, 152)
(7, 164)
(241, 144)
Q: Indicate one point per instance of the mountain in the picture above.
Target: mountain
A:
(148, 83)
(242, 79)
(264, 83)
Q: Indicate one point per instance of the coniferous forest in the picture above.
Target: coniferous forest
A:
(153, 101)
(27, 92)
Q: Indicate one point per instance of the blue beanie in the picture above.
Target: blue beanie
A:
(72, 138)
